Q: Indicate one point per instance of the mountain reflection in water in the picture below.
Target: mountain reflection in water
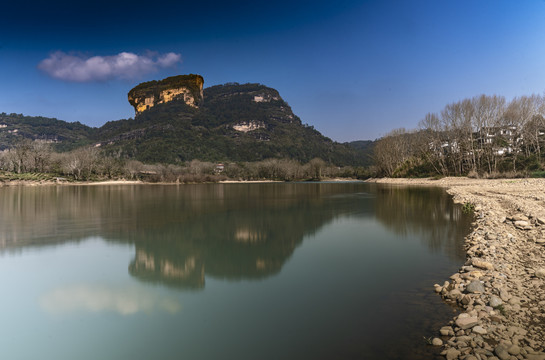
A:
(182, 234)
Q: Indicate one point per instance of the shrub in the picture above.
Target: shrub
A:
(468, 208)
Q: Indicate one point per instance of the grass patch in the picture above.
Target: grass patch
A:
(501, 309)
(468, 208)
(8, 176)
(538, 174)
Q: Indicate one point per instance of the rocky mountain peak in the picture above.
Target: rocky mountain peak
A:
(188, 88)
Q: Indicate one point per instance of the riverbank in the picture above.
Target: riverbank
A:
(140, 182)
(64, 182)
(501, 287)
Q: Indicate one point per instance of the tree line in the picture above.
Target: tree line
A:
(90, 163)
(480, 136)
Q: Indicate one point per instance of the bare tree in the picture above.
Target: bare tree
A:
(393, 150)
(133, 168)
(22, 157)
(40, 154)
(81, 163)
(316, 167)
(488, 112)
(431, 143)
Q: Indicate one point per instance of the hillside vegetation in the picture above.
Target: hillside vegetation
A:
(63, 135)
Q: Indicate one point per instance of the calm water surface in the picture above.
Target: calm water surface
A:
(225, 271)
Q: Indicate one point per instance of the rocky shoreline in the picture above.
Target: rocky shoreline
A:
(501, 287)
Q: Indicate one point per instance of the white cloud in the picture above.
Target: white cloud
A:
(91, 298)
(125, 65)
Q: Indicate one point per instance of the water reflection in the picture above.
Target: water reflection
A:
(94, 298)
(428, 212)
(184, 233)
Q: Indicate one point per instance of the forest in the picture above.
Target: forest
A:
(37, 160)
(483, 136)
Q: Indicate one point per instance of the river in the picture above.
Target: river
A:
(225, 271)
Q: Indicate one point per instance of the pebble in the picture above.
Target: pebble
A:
(479, 330)
(482, 264)
(495, 301)
(475, 287)
(466, 322)
(447, 331)
(502, 352)
(452, 354)
(514, 350)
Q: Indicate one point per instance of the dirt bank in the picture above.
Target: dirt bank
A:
(501, 287)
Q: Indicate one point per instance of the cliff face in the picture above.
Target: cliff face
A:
(188, 88)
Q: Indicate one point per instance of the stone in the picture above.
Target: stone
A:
(466, 322)
(479, 330)
(446, 331)
(511, 330)
(535, 357)
(495, 319)
(452, 354)
(514, 350)
(521, 223)
(495, 301)
(501, 352)
(475, 286)
(518, 217)
(540, 273)
(482, 264)
(437, 342)
(476, 274)
(514, 301)
(504, 295)
(455, 294)
(466, 299)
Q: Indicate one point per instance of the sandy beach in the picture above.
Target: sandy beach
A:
(501, 287)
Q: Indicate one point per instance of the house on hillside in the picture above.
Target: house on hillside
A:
(501, 138)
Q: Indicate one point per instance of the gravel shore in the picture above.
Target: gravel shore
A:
(501, 287)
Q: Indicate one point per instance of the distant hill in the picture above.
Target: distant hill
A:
(63, 135)
(176, 121)
(365, 149)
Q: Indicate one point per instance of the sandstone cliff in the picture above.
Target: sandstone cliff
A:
(188, 88)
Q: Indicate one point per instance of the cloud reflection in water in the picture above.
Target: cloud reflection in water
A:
(92, 298)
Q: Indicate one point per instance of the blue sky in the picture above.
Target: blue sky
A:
(352, 69)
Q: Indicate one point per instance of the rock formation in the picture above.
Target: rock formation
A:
(188, 88)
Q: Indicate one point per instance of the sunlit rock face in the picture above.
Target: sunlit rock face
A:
(246, 126)
(188, 88)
